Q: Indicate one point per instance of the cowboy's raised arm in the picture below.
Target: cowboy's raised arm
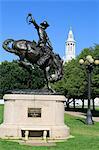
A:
(32, 20)
(34, 23)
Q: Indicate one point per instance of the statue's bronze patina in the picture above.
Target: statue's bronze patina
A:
(40, 53)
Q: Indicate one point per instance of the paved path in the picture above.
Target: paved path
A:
(80, 114)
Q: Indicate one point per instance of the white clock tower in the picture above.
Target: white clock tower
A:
(70, 47)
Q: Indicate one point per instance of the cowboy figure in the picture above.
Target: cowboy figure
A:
(43, 37)
(44, 42)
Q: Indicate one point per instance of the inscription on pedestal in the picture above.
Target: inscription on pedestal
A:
(34, 112)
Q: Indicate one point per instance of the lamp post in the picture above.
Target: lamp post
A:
(89, 63)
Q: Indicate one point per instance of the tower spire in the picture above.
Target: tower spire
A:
(70, 28)
(70, 46)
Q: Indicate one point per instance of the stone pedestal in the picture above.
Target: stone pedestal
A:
(27, 116)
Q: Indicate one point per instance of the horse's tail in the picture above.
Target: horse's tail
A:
(6, 46)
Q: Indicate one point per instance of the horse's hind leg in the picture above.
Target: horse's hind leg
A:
(45, 75)
(47, 81)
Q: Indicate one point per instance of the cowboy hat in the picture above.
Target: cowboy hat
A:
(44, 24)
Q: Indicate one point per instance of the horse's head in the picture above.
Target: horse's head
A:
(19, 47)
(10, 46)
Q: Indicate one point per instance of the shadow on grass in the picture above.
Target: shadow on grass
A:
(81, 121)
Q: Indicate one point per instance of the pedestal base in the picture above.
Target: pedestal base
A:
(28, 116)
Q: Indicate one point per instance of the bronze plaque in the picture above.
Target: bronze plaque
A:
(34, 112)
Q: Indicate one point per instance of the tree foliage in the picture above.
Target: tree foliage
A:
(12, 76)
(95, 75)
(75, 81)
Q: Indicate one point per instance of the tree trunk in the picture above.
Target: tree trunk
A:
(67, 103)
(82, 104)
(74, 103)
(93, 105)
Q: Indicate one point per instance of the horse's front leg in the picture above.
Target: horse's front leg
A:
(27, 65)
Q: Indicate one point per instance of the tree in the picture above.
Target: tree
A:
(12, 76)
(74, 82)
(85, 52)
(94, 51)
(95, 75)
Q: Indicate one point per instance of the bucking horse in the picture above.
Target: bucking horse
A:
(30, 53)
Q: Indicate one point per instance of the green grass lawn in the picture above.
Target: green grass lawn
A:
(1, 113)
(97, 108)
(85, 137)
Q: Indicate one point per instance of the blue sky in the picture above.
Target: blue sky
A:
(82, 16)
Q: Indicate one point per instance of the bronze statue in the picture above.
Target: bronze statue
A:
(40, 53)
